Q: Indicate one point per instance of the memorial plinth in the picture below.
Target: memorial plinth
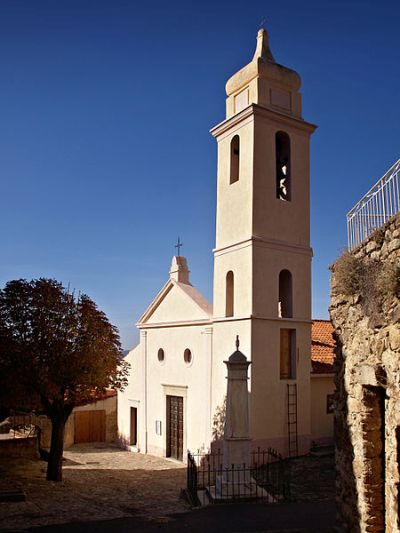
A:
(236, 480)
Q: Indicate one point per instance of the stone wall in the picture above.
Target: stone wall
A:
(109, 405)
(365, 311)
(44, 423)
(20, 447)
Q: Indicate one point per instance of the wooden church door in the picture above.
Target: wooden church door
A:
(175, 427)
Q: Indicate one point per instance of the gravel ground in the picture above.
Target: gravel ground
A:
(105, 484)
(99, 483)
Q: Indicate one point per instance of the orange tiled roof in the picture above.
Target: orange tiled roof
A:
(108, 393)
(322, 347)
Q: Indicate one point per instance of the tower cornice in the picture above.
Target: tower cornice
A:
(265, 243)
(253, 110)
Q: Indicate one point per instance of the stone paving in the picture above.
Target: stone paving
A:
(313, 478)
(117, 488)
(99, 482)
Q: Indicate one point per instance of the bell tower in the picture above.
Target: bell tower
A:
(262, 258)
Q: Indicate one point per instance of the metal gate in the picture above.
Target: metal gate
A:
(175, 427)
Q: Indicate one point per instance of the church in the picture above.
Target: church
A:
(262, 292)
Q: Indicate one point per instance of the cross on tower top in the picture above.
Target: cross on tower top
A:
(262, 23)
(178, 245)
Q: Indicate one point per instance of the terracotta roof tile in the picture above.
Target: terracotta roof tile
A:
(322, 347)
(108, 393)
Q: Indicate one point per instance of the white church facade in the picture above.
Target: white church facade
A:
(262, 290)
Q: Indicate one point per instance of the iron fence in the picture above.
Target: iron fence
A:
(376, 207)
(19, 425)
(266, 478)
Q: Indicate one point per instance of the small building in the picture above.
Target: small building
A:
(322, 382)
(91, 422)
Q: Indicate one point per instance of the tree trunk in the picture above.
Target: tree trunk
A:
(54, 466)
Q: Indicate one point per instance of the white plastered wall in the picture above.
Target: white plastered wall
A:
(176, 306)
(132, 396)
(175, 377)
(174, 322)
(321, 421)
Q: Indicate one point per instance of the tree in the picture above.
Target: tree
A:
(56, 351)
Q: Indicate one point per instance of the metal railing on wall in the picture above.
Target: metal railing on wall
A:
(375, 208)
(19, 425)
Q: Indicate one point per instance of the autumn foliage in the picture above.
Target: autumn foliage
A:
(57, 350)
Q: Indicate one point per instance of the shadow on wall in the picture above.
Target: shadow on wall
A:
(123, 442)
(346, 488)
(218, 425)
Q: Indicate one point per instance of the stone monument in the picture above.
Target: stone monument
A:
(235, 480)
(236, 443)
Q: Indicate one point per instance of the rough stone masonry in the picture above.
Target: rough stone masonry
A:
(365, 311)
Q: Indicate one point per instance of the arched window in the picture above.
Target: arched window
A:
(229, 300)
(285, 306)
(235, 159)
(161, 355)
(283, 178)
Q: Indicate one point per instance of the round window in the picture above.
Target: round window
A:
(161, 355)
(187, 356)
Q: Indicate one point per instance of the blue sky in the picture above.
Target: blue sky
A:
(105, 151)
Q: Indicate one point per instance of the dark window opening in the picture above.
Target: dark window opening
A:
(330, 404)
(235, 159)
(288, 354)
(283, 178)
(285, 305)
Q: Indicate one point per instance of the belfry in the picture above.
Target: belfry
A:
(262, 265)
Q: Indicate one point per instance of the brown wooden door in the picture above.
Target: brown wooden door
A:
(175, 427)
(133, 435)
(90, 426)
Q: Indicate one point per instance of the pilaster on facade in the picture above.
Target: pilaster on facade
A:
(143, 345)
(208, 352)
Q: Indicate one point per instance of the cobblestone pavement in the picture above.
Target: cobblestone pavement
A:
(100, 482)
(312, 478)
(107, 489)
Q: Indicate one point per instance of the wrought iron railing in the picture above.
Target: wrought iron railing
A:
(19, 425)
(375, 208)
(266, 477)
